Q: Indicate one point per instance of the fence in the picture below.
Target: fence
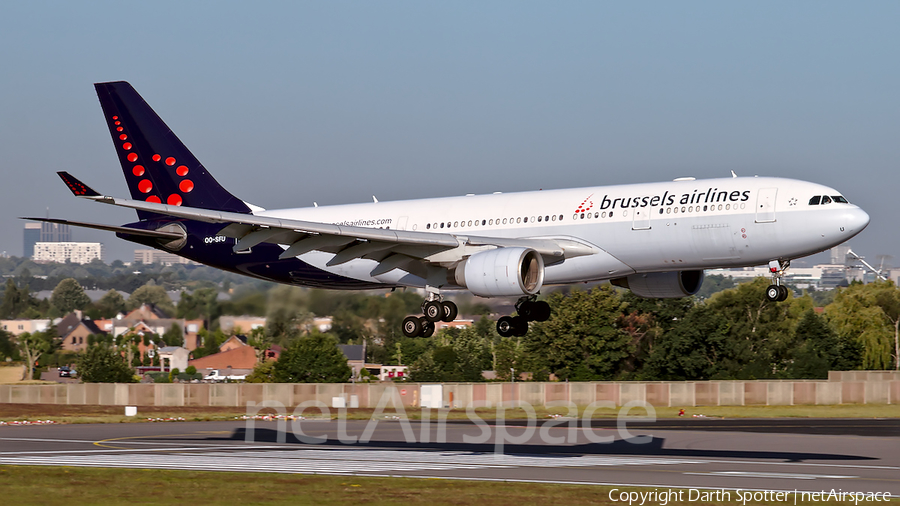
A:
(855, 387)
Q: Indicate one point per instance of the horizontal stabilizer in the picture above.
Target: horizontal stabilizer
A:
(78, 188)
(110, 228)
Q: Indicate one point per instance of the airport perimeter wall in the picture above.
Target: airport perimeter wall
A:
(857, 387)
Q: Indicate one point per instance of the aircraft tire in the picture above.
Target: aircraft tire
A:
(520, 324)
(434, 311)
(427, 328)
(412, 327)
(450, 311)
(541, 311)
(783, 295)
(773, 293)
(505, 326)
(526, 310)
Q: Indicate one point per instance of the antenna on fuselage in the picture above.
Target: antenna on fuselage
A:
(733, 174)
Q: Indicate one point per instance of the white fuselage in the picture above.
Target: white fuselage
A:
(652, 227)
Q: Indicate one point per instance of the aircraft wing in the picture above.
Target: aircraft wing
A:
(391, 248)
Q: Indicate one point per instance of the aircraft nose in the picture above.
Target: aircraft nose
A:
(857, 220)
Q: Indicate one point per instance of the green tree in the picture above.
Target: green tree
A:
(820, 349)
(695, 349)
(31, 347)
(264, 372)
(111, 304)
(868, 314)
(174, 336)
(581, 340)
(7, 346)
(69, 296)
(18, 302)
(202, 304)
(152, 294)
(314, 358)
(760, 333)
(104, 364)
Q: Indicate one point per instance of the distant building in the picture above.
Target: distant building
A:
(16, 327)
(153, 256)
(31, 237)
(78, 338)
(61, 252)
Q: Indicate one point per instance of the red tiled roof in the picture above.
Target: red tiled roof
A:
(236, 358)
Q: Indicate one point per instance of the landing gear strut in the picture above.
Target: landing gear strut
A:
(777, 292)
(434, 310)
(528, 309)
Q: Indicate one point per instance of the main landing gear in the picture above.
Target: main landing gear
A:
(434, 310)
(777, 292)
(528, 309)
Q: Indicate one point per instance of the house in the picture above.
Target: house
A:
(241, 360)
(241, 324)
(68, 323)
(21, 326)
(356, 359)
(78, 338)
(233, 342)
(177, 358)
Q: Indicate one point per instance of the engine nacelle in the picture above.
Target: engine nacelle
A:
(662, 285)
(501, 272)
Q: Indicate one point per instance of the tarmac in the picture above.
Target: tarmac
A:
(858, 455)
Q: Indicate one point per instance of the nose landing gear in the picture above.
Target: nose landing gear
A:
(434, 310)
(777, 292)
(529, 309)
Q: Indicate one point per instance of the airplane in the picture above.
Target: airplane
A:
(655, 239)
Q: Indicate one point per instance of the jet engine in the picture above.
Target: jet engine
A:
(662, 285)
(501, 272)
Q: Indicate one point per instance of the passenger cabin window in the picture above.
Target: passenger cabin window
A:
(815, 200)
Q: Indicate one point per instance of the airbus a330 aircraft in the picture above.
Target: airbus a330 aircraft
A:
(655, 239)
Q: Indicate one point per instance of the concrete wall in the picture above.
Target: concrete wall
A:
(858, 387)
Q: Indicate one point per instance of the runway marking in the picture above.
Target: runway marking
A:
(330, 461)
(789, 476)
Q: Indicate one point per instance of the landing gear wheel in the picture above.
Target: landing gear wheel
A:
(520, 324)
(526, 310)
(506, 326)
(782, 293)
(540, 311)
(773, 293)
(433, 310)
(450, 311)
(427, 328)
(412, 326)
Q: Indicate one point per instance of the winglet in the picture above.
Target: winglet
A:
(78, 188)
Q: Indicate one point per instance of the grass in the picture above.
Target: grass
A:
(11, 374)
(25, 485)
(61, 413)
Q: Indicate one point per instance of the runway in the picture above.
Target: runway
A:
(845, 455)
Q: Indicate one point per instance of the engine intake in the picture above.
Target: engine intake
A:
(662, 285)
(501, 272)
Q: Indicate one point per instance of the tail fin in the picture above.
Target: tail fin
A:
(157, 166)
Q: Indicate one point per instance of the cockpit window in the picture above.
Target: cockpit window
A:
(839, 199)
(815, 200)
(826, 199)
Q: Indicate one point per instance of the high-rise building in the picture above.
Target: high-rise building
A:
(55, 232)
(75, 252)
(153, 256)
(31, 237)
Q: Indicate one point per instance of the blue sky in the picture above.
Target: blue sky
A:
(287, 103)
